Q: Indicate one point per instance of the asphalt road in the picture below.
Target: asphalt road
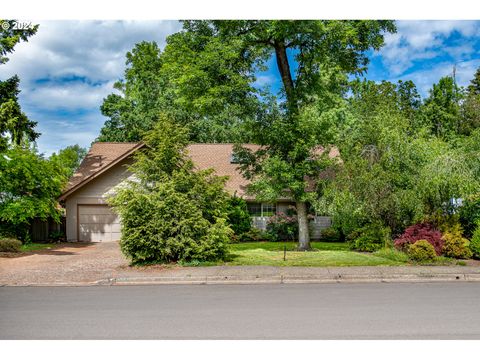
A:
(328, 311)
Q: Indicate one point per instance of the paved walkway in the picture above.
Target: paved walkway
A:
(103, 264)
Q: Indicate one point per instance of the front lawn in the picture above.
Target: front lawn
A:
(35, 247)
(325, 254)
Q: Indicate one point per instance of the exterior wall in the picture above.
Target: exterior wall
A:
(95, 192)
(317, 224)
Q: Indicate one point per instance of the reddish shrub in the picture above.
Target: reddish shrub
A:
(422, 231)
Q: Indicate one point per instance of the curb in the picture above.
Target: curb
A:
(287, 279)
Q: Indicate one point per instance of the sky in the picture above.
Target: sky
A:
(69, 67)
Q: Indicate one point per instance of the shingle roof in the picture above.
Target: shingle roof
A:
(103, 155)
(217, 157)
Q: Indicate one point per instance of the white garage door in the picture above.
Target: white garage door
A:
(97, 223)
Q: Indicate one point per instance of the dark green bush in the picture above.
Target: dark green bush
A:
(56, 236)
(421, 251)
(237, 215)
(370, 238)
(171, 211)
(330, 234)
(469, 214)
(254, 235)
(10, 245)
(475, 243)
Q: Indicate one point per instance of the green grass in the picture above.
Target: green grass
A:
(35, 247)
(325, 254)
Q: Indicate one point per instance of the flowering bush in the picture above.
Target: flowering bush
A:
(283, 227)
(422, 231)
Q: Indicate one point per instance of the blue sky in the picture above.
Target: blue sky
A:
(68, 67)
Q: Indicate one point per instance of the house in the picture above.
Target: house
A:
(89, 218)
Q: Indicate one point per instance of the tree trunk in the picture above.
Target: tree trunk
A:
(285, 73)
(303, 231)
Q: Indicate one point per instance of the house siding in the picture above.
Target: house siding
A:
(95, 192)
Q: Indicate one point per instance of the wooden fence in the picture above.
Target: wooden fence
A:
(41, 230)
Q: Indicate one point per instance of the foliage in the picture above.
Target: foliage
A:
(283, 227)
(469, 214)
(422, 251)
(254, 235)
(10, 36)
(237, 215)
(29, 187)
(205, 78)
(330, 234)
(10, 245)
(200, 81)
(171, 212)
(475, 242)
(441, 110)
(69, 158)
(56, 236)
(370, 238)
(421, 231)
(14, 124)
(456, 246)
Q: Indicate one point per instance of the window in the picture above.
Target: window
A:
(255, 209)
(261, 209)
(269, 209)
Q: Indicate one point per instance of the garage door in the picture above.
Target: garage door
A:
(97, 223)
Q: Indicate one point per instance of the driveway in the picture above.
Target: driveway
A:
(64, 264)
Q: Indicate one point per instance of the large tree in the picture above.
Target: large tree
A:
(198, 80)
(14, 124)
(313, 59)
(441, 109)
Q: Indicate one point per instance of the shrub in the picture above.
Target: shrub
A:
(475, 243)
(283, 227)
(469, 214)
(10, 245)
(456, 246)
(330, 234)
(422, 231)
(254, 235)
(56, 236)
(370, 238)
(237, 215)
(421, 250)
(171, 211)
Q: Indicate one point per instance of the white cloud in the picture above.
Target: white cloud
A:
(417, 40)
(424, 78)
(70, 66)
